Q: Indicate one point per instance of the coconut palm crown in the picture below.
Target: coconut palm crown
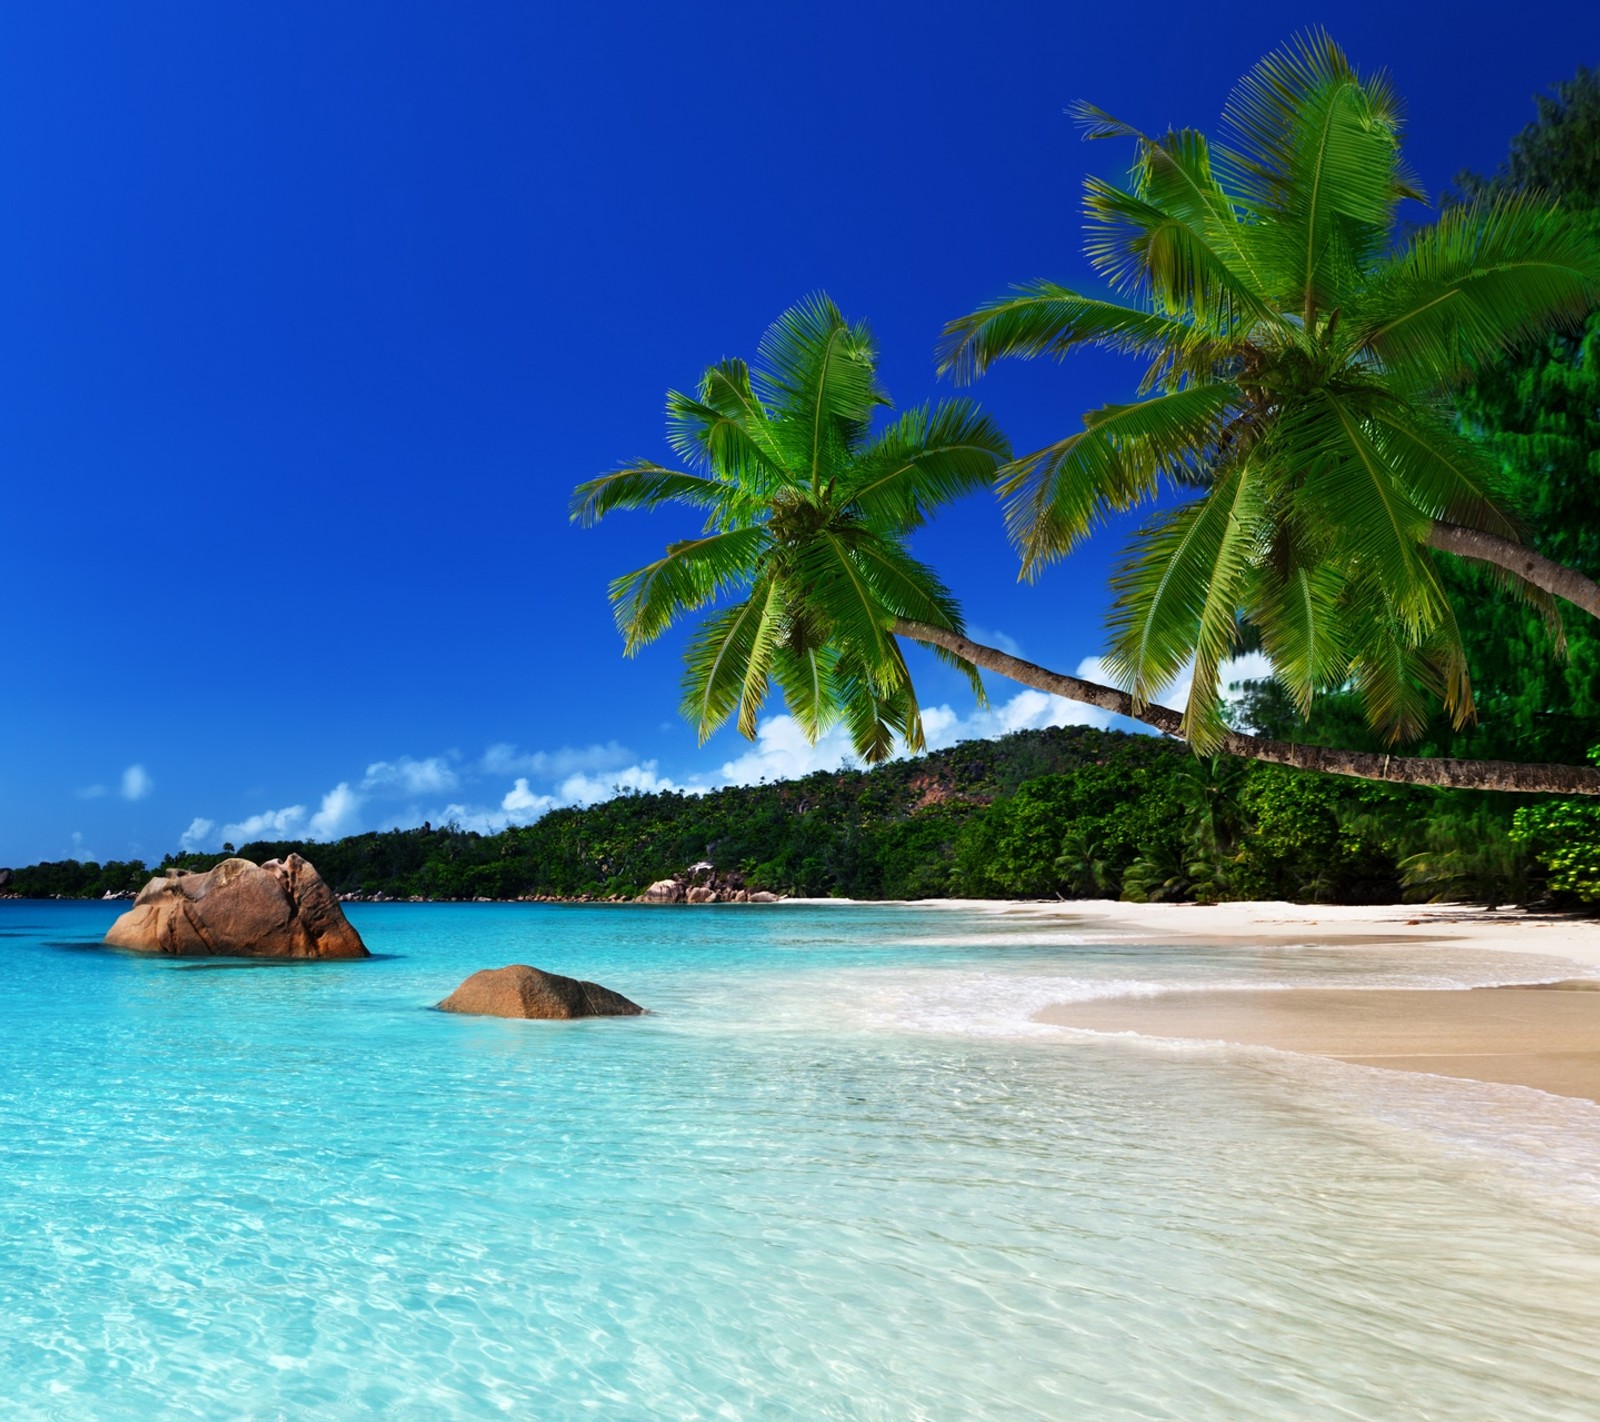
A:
(1297, 363)
(802, 555)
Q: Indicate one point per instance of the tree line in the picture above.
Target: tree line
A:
(1072, 812)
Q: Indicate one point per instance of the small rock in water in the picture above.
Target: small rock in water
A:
(521, 991)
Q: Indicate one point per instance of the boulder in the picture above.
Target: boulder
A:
(761, 896)
(663, 891)
(521, 991)
(280, 909)
(701, 894)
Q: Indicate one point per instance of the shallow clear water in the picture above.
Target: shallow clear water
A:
(837, 1173)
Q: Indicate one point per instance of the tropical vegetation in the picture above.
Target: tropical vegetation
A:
(806, 516)
(1298, 361)
(1073, 812)
(1297, 364)
(1536, 411)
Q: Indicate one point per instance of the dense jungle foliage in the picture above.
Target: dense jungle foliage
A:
(1073, 812)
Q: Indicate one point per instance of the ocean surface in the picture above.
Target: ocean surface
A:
(836, 1173)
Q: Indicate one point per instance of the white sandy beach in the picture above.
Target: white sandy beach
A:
(1544, 1033)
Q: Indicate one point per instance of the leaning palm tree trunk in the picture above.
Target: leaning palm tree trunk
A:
(1517, 558)
(1399, 770)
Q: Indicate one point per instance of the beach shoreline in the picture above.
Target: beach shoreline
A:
(1536, 1030)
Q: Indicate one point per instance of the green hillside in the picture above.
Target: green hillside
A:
(1071, 812)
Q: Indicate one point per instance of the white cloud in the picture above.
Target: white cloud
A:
(1028, 710)
(635, 779)
(781, 752)
(522, 804)
(589, 775)
(136, 783)
(477, 818)
(197, 836)
(1252, 666)
(281, 824)
(994, 637)
(505, 759)
(338, 815)
(407, 776)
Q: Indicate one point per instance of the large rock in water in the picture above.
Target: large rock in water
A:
(521, 991)
(280, 909)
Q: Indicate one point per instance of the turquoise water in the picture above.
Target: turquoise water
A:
(837, 1173)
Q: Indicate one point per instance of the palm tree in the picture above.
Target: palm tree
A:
(1297, 363)
(806, 515)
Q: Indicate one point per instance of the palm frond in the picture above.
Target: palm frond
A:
(1397, 674)
(718, 664)
(840, 597)
(878, 706)
(807, 674)
(643, 485)
(724, 430)
(1297, 614)
(1344, 485)
(1046, 319)
(1443, 474)
(1175, 264)
(1217, 635)
(763, 647)
(1097, 123)
(1175, 175)
(928, 457)
(1484, 277)
(692, 573)
(1177, 591)
(1056, 495)
(1318, 163)
(817, 378)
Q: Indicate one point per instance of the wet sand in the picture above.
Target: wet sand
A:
(1544, 1035)
(1406, 926)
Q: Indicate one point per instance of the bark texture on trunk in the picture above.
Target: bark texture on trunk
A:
(1362, 765)
(1555, 578)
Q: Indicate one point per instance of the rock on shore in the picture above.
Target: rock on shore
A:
(280, 909)
(704, 884)
(521, 991)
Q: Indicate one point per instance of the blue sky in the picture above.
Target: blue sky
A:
(314, 314)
